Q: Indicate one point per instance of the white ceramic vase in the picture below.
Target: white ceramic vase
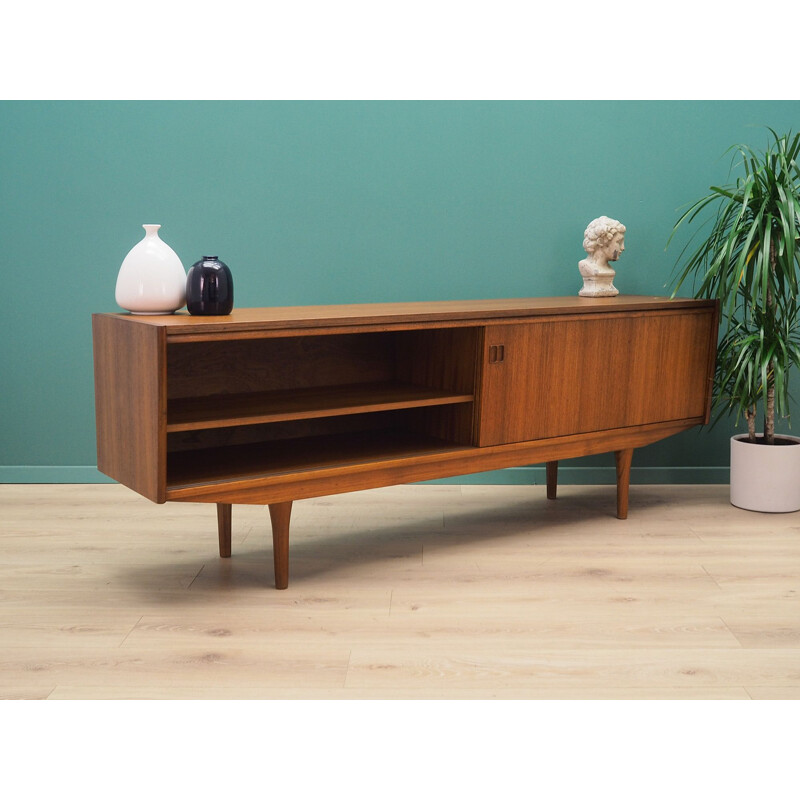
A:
(152, 279)
(765, 477)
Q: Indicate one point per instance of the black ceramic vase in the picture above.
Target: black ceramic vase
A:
(209, 288)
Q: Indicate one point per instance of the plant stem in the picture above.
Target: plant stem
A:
(751, 423)
(769, 406)
(769, 415)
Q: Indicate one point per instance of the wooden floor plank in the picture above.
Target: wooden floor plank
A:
(20, 691)
(409, 592)
(219, 663)
(171, 692)
(773, 692)
(479, 669)
(61, 627)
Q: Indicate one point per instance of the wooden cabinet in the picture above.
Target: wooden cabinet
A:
(270, 406)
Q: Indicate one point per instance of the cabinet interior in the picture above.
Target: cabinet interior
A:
(264, 406)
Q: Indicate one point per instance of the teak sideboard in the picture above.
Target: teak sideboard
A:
(272, 405)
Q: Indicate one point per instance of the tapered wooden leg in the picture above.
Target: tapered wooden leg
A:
(224, 528)
(279, 514)
(552, 479)
(623, 458)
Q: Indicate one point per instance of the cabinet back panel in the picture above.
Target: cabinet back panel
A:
(278, 431)
(255, 365)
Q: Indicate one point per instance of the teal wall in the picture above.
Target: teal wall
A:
(334, 202)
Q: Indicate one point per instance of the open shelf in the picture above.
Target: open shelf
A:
(253, 408)
(267, 459)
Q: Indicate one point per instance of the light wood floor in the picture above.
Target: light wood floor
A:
(408, 592)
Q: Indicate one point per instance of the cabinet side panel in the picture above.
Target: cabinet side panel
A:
(442, 359)
(130, 403)
(590, 374)
(439, 358)
(713, 335)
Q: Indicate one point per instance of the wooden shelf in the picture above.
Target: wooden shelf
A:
(268, 459)
(226, 410)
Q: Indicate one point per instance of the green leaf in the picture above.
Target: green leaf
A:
(744, 251)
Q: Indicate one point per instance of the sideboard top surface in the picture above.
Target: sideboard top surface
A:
(298, 317)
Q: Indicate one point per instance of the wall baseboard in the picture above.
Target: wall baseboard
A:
(513, 476)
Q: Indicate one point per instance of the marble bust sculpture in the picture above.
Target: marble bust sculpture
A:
(604, 241)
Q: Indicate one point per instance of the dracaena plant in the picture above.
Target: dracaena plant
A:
(750, 261)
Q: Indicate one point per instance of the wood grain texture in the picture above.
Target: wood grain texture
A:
(248, 408)
(249, 366)
(439, 591)
(336, 452)
(220, 411)
(712, 360)
(623, 459)
(219, 385)
(280, 515)
(224, 518)
(350, 463)
(551, 470)
(446, 360)
(587, 374)
(258, 321)
(130, 403)
(470, 668)
(165, 691)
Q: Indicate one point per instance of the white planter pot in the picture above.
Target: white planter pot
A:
(151, 279)
(764, 477)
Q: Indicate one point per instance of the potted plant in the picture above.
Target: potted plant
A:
(750, 261)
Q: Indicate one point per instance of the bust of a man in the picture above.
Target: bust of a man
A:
(604, 241)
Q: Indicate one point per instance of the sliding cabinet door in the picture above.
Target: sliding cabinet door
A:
(556, 377)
